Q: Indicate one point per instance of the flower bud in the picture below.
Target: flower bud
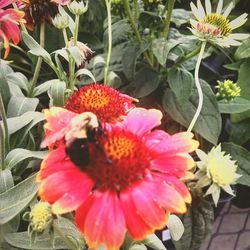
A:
(40, 216)
(227, 90)
(78, 8)
(61, 22)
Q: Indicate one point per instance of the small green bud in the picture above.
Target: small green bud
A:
(40, 216)
(78, 8)
(61, 22)
(227, 90)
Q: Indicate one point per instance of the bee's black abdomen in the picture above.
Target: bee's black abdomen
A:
(78, 152)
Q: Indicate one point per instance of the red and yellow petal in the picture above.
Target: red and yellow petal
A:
(178, 143)
(135, 224)
(58, 120)
(140, 121)
(102, 221)
(65, 190)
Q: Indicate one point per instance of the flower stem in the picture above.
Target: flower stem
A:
(168, 18)
(2, 149)
(108, 6)
(198, 86)
(136, 10)
(76, 28)
(5, 130)
(65, 37)
(134, 27)
(39, 60)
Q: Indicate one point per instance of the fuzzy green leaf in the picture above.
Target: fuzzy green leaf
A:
(208, 124)
(242, 156)
(19, 105)
(240, 132)
(235, 106)
(6, 180)
(14, 200)
(154, 242)
(17, 155)
(181, 82)
(57, 93)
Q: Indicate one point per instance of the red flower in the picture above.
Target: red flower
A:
(108, 104)
(9, 30)
(130, 184)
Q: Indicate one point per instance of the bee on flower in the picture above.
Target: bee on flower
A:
(215, 26)
(216, 170)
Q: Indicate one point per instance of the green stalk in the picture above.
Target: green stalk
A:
(136, 10)
(198, 86)
(134, 27)
(168, 18)
(5, 127)
(187, 57)
(106, 69)
(39, 60)
(2, 145)
(76, 28)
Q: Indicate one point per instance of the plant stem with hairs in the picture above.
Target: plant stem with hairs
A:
(106, 69)
(134, 27)
(39, 60)
(4, 132)
(198, 86)
(166, 25)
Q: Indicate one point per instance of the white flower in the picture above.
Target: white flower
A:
(217, 170)
(215, 27)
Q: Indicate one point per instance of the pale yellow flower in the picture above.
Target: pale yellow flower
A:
(215, 27)
(217, 170)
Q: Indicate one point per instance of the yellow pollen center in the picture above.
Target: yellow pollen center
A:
(94, 99)
(219, 21)
(119, 147)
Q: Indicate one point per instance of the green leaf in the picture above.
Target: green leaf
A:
(130, 56)
(145, 82)
(5, 69)
(235, 106)
(57, 93)
(243, 80)
(209, 122)
(76, 54)
(181, 82)
(42, 242)
(19, 79)
(243, 51)
(16, 123)
(154, 242)
(17, 155)
(181, 16)
(242, 156)
(19, 105)
(175, 227)
(138, 247)
(240, 132)
(198, 222)
(6, 180)
(44, 87)
(35, 48)
(14, 200)
(85, 72)
(161, 48)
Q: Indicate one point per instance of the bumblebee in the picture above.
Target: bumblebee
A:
(84, 129)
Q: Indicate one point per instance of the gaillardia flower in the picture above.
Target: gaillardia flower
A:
(9, 21)
(108, 104)
(216, 27)
(39, 11)
(217, 170)
(131, 182)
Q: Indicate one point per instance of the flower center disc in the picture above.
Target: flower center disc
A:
(94, 100)
(119, 161)
(218, 21)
